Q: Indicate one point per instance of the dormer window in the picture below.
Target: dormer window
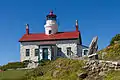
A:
(50, 31)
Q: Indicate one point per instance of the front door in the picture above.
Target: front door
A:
(52, 56)
(45, 53)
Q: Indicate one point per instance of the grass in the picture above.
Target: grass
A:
(12, 75)
(112, 53)
(60, 69)
(113, 75)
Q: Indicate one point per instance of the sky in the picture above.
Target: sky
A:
(96, 18)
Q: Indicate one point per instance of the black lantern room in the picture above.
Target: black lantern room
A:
(51, 16)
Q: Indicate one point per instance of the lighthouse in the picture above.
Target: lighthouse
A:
(51, 43)
(51, 26)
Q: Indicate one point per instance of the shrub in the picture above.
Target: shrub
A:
(111, 53)
(44, 62)
(115, 38)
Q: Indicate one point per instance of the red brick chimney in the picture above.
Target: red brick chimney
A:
(27, 29)
(76, 25)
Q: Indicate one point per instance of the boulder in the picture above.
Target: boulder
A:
(102, 73)
(82, 75)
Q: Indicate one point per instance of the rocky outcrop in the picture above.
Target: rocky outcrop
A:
(96, 69)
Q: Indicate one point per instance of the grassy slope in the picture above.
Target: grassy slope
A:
(12, 75)
(60, 69)
(113, 75)
(112, 52)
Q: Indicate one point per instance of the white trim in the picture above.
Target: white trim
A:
(83, 52)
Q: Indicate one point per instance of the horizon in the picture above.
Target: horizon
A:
(95, 18)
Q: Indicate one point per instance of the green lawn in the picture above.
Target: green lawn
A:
(12, 75)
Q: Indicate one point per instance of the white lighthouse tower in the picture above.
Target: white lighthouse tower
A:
(51, 26)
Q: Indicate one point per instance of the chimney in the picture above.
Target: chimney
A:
(76, 25)
(27, 29)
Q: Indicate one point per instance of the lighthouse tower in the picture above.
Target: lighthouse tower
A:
(51, 26)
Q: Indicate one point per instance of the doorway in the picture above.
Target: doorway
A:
(45, 53)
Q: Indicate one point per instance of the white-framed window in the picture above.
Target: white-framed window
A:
(68, 51)
(59, 51)
(85, 52)
(27, 52)
(36, 52)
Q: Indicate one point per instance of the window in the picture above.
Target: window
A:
(51, 18)
(59, 49)
(85, 52)
(27, 52)
(36, 52)
(59, 52)
(50, 31)
(68, 51)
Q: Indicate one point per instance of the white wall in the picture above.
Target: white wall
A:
(32, 56)
(79, 50)
(64, 49)
(51, 25)
(68, 43)
(62, 44)
(84, 48)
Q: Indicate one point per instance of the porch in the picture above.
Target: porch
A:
(47, 52)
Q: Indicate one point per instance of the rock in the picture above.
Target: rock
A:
(82, 75)
(55, 73)
(105, 69)
(115, 63)
(98, 68)
(102, 73)
(85, 67)
(118, 63)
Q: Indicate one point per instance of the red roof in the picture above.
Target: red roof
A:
(44, 37)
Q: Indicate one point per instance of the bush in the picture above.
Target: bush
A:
(13, 65)
(111, 53)
(44, 62)
(115, 38)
